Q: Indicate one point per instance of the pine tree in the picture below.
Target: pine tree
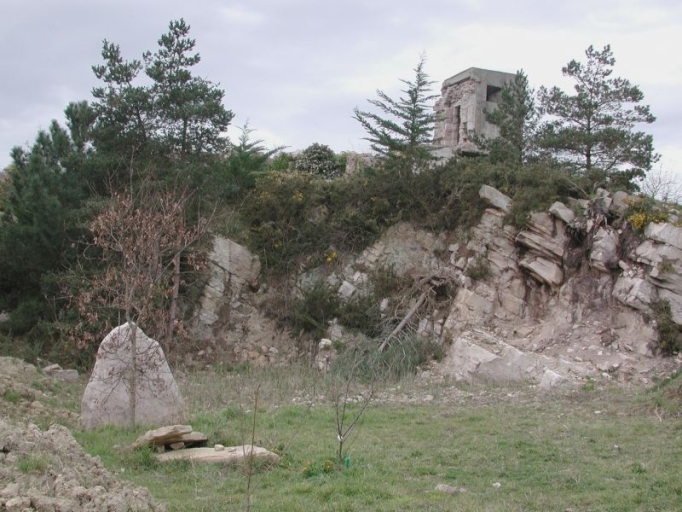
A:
(179, 115)
(403, 131)
(593, 131)
(122, 109)
(39, 222)
(189, 116)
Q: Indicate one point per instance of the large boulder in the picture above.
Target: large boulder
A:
(664, 233)
(108, 398)
(495, 198)
(635, 292)
(604, 254)
(543, 270)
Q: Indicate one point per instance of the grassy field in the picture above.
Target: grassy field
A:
(511, 449)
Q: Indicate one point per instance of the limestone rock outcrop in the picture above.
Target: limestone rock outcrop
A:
(545, 241)
(661, 252)
(114, 388)
(231, 268)
(556, 303)
(230, 317)
(567, 297)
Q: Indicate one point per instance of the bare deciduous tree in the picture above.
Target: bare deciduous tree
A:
(141, 237)
(662, 184)
(344, 392)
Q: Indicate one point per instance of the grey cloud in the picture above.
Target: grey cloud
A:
(286, 66)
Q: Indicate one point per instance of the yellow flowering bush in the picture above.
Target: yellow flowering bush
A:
(644, 210)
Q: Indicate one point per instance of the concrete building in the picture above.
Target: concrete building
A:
(464, 99)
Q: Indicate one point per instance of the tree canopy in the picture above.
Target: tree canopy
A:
(403, 130)
(595, 128)
(178, 115)
(135, 132)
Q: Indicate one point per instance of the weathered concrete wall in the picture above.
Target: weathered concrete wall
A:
(464, 99)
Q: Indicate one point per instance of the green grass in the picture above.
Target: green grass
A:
(12, 396)
(549, 453)
(667, 396)
(34, 463)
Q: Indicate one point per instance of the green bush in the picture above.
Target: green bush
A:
(319, 160)
(362, 313)
(25, 317)
(278, 213)
(462, 178)
(480, 270)
(643, 210)
(15, 346)
(316, 307)
(534, 188)
(669, 333)
(282, 162)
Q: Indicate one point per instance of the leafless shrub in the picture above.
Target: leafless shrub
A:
(662, 184)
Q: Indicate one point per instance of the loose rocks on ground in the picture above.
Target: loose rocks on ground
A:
(49, 471)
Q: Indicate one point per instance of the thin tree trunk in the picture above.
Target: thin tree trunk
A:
(172, 311)
(404, 321)
(133, 371)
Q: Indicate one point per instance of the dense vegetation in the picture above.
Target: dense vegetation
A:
(105, 218)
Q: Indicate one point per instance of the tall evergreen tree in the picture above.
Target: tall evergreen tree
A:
(189, 116)
(38, 225)
(178, 116)
(403, 131)
(593, 130)
(123, 110)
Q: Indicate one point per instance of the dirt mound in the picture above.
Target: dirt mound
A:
(26, 394)
(49, 471)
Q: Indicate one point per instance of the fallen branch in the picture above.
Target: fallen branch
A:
(404, 321)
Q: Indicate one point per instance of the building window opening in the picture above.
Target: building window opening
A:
(493, 93)
(458, 121)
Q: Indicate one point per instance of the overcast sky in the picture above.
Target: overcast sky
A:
(295, 69)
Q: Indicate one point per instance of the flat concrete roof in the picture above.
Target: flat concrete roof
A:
(485, 75)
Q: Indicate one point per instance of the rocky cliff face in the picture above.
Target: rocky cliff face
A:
(564, 299)
(230, 320)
